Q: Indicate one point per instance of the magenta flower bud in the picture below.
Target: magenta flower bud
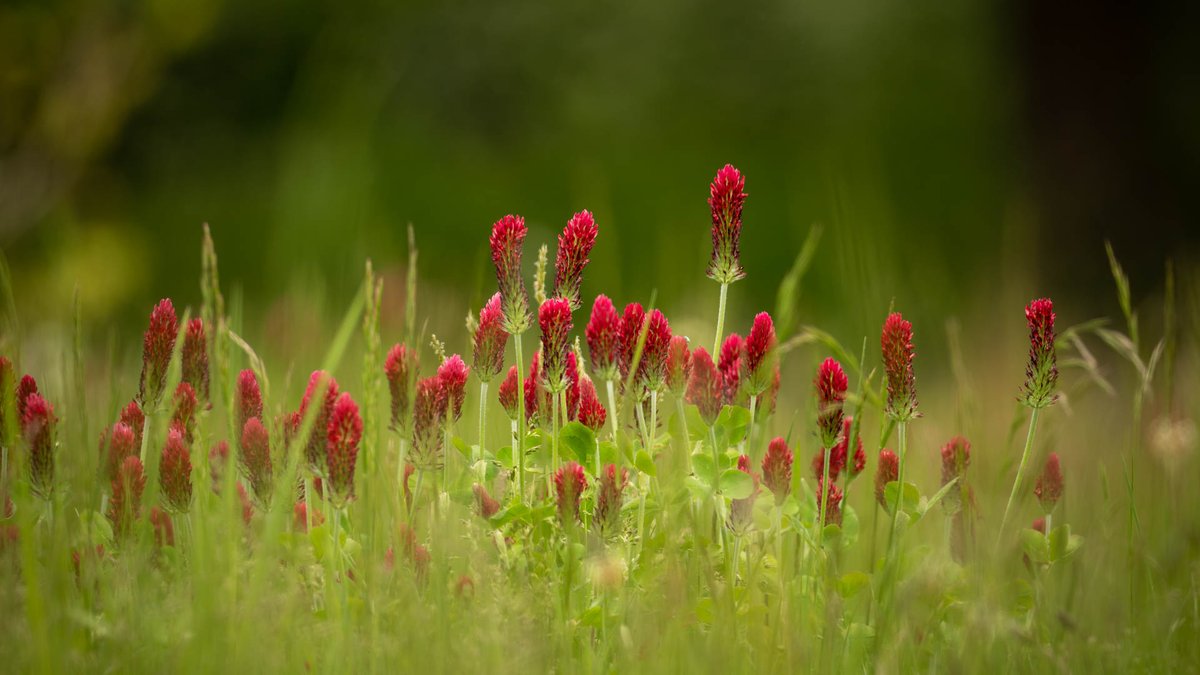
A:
(604, 339)
(730, 367)
(956, 457)
(741, 511)
(247, 398)
(508, 393)
(164, 531)
(133, 416)
(704, 388)
(25, 388)
(507, 240)
(183, 417)
(777, 469)
(591, 411)
(888, 471)
(486, 504)
(897, 344)
(320, 384)
(831, 385)
(490, 341)
(569, 484)
(726, 197)
(759, 361)
(429, 415)
(453, 374)
(255, 458)
(1049, 487)
(115, 446)
(175, 473)
(652, 368)
(37, 427)
(194, 359)
(574, 245)
(833, 502)
(631, 330)
(1041, 374)
(344, 434)
(572, 393)
(554, 318)
(126, 503)
(609, 496)
(157, 346)
(679, 365)
(401, 371)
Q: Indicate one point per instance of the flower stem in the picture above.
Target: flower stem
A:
(720, 319)
(1033, 418)
(519, 446)
(750, 431)
(483, 393)
(612, 408)
(902, 443)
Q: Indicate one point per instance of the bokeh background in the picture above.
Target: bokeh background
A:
(960, 156)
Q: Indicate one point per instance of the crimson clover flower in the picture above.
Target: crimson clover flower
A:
(490, 340)
(194, 359)
(1041, 374)
(726, 198)
(157, 345)
(344, 434)
(507, 240)
(574, 245)
(604, 338)
(777, 469)
(704, 386)
(400, 368)
(897, 345)
(831, 385)
(175, 472)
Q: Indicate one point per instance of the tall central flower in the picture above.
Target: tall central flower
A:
(344, 433)
(490, 339)
(831, 385)
(507, 240)
(1041, 374)
(554, 317)
(727, 195)
(157, 346)
(897, 345)
(652, 368)
(574, 245)
(604, 338)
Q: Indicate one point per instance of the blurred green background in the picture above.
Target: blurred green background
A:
(958, 154)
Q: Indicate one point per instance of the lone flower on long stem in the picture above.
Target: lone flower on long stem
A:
(896, 343)
(726, 198)
(574, 245)
(507, 241)
(831, 385)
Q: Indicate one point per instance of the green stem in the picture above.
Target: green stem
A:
(687, 445)
(483, 392)
(902, 443)
(1033, 418)
(720, 319)
(519, 446)
(612, 408)
(752, 451)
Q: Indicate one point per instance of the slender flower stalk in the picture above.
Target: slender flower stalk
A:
(574, 245)
(896, 342)
(507, 241)
(726, 198)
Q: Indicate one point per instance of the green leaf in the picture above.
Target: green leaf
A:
(645, 463)
(580, 441)
(736, 484)
(831, 535)
(698, 488)
(505, 457)
(1035, 545)
(788, 296)
(937, 497)
(851, 583)
(462, 446)
(730, 427)
(912, 497)
(609, 453)
(702, 466)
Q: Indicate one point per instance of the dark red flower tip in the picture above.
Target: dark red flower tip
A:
(679, 365)
(569, 483)
(554, 318)
(727, 196)
(133, 417)
(831, 385)
(218, 458)
(704, 388)
(743, 463)
(507, 240)
(604, 338)
(1041, 373)
(400, 367)
(897, 345)
(777, 469)
(888, 471)
(184, 414)
(429, 415)
(255, 458)
(508, 393)
(25, 388)
(126, 502)
(344, 434)
(1049, 487)
(631, 331)
(759, 361)
(484, 502)
(574, 245)
(591, 411)
(194, 358)
(454, 373)
(175, 473)
(956, 457)
(730, 365)
(116, 445)
(609, 497)
(832, 498)
(37, 428)
(572, 393)
(320, 385)
(1039, 524)
(164, 531)
(652, 368)
(157, 346)
(247, 398)
(300, 517)
(490, 341)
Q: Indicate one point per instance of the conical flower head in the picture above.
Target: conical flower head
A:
(704, 386)
(609, 496)
(897, 345)
(135, 419)
(454, 373)
(508, 393)
(400, 367)
(126, 502)
(344, 433)
(574, 245)
(888, 471)
(157, 346)
(37, 427)
(490, 341)
(831, 494)
(956, 457)
(727, 195)
(248, 397)
(831, 385)
(679, 365)
(631, 331)
(1049, 487)
(117, 444)
(604, 338)
(25, 388)
(486, 504)
(777, 469)
(758, 365)
(652, 367)
(194, 358)
(1041, 374)
(591, 412)
(730, 365)
(183, 417)
(572, 393)
(175, 473)
(569, 484)
(322, 391)
(255, 458)
(554, 318)
(429, 415)
(507, 241)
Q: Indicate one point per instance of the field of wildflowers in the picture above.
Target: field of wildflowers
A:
(587, 490)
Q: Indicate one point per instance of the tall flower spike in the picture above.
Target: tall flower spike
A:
(157, 346)
(652, 368)
(248, 398)
(315, 448)
(194, 358)
(777, 469)
(727, 195)
(345, 432)
(175, 473)
(508, 393)
(574, 245)
(37, 427)
(25, 388)
(490, 341)
(126, 502)
(255, 458)
(429, 414)
(760, 355)
(1049, 487)
(704, 386)
(454, 373)
(608, 497)
(507, 240)
(401, 370)
(569, 484)
(554, 318)
(184, 415)
(133, 416)
(591, 412)
(118, 444)
(1041, 374)
(831, 385)
(679, 365)
(631, 331)
(730, 365)
(897, 345)
(888, 471)
(604, 338)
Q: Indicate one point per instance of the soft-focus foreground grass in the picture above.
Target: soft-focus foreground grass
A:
(235, 598)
